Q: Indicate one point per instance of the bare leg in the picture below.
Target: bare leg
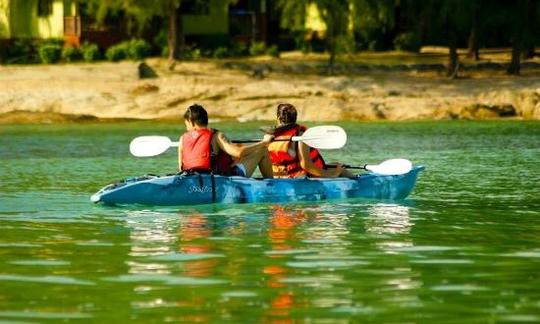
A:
(346, 174)
(265, 166)
(258, 158)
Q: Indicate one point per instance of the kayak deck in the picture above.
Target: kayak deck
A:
(177, 190)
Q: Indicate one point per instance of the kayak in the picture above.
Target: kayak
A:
(196, 189)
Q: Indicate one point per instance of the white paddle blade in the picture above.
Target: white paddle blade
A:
(323, 137)
(391, 167)
(144, 146)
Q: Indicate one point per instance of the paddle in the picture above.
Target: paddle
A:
(388, 167)
(319, 137)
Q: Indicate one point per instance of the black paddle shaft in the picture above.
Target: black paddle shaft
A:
(346, 166)
(258, 140)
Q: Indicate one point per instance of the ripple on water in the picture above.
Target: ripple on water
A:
(186, 256)
(46, 279)
(288, 252)
(312, 279)
(21, 245)
(425, 248)
(521, 318)
(165, 279)
(458, 288)
(524, 254)
(43, 315)
(239, 294)
(443, 261)
(40, 262)
(354, 310)
(326, 264)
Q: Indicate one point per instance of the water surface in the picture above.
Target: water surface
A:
(464, 245)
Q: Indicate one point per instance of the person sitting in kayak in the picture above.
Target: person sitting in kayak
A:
(296, 159)
(203, 149)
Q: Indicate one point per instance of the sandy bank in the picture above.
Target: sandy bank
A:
(108, 90)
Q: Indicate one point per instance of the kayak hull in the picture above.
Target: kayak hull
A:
(178, 190)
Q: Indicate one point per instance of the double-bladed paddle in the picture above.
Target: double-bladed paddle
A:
(319, 137)
(388, 167)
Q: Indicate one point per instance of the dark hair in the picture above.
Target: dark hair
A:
(196, 114)
(286, 113)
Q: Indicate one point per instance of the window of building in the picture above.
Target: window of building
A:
(195, 7)
(45, 8)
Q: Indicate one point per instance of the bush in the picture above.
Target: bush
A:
(22, 51)
(221, 52)
(51, 41)
(273, 51)
(257, 48)
(238, 49)
(345, 45)
(71, 54)
(137, 49)
(90, 52)
(49, 53)
(407, 42)
(192, 53)
(117, 52)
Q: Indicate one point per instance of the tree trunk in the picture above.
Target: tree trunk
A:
(473, 36)
(453, 59)
(531, 30)
(331, 41)
(514, 67)
(519, 38)
(473, 45)
(172, 35)
(180, 34)
(332, 49)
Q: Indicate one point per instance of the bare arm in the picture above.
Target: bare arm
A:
(236, 150)
(309, 166)
(180, 154)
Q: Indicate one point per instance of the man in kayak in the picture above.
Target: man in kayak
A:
(204, 149)
(296, 159)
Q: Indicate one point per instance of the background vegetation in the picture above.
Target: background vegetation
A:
(351, 26)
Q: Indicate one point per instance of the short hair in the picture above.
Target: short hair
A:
(196, 114)
(286, 113)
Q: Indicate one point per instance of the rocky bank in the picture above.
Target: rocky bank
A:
(82, 92)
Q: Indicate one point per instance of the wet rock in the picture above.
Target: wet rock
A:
(144, 89)
(146, 72)
(258, 72)
(482, 111)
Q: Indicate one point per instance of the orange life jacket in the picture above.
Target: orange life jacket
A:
(197, 153)
(285, 157)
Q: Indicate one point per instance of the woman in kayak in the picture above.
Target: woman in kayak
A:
(204, 149)
(296, 159)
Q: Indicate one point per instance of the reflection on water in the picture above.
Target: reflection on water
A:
(463, 247)
(390, 219)
(385, 218)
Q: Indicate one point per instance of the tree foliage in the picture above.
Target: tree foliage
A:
(386, 24)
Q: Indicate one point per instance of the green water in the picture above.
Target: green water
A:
(464, 247)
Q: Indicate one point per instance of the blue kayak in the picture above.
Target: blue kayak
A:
(177, 190)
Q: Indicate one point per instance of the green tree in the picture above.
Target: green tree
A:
(375, 22)
(142, 11)
(334, 13)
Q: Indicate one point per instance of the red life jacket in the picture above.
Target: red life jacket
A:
(197, 153)
(285, 157)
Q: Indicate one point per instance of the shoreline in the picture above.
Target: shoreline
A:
(105, 92)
